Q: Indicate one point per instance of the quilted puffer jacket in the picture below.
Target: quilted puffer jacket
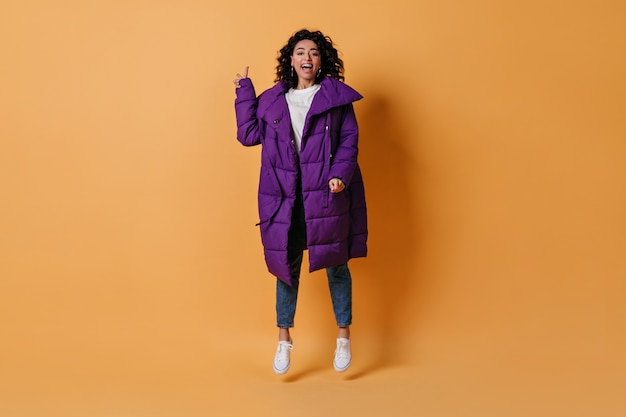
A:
(336, 223)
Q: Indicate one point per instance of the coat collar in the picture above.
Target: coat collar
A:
(333, 93)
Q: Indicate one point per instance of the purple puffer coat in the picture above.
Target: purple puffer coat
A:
(336, 223)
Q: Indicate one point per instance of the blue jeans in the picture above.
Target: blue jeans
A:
(339, 279)
(339, 282)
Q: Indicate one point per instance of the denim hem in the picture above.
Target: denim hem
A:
(344, 325)
(285, 326)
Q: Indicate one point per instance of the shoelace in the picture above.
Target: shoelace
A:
(342, 350)
(284, 348)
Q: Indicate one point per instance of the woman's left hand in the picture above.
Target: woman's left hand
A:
(336, 185)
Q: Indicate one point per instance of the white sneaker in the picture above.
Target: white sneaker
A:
(281, 359)
(343, 356)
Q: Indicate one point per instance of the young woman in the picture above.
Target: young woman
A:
(311, 193)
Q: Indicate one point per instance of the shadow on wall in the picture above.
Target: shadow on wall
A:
(386, 280)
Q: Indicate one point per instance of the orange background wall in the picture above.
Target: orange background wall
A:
(493, 142)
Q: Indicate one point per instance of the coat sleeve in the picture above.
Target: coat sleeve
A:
(344, 158)
(246, 102)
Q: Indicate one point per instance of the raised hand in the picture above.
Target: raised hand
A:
(240, 77)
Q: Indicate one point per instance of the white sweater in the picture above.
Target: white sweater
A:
(299, 102)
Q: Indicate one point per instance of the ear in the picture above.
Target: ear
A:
(291, 60)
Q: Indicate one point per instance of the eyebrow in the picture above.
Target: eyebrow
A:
(312, 49)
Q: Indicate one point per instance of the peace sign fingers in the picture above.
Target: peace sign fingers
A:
(240, 77)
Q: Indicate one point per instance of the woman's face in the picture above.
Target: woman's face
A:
(306, 61)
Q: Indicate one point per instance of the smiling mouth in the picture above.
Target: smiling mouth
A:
(307, 66)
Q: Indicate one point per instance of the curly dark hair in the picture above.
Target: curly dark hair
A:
(332, 65)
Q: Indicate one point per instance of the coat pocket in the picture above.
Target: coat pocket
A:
(270, 195)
